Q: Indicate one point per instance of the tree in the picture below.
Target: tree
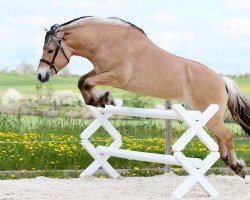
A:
(65, 72)
(4, 71)
(26, 68)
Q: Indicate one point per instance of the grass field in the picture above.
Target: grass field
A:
(26, 84)
(74, 126)
(30, 151)
(47, 143)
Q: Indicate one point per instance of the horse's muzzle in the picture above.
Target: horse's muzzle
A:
(44, 74)
(42, 78)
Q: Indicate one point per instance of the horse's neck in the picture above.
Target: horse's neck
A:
(88, 40)
(84, 41)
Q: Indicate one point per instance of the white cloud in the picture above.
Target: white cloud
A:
(239, 28)
(70, 6)
(25, 22)
(237, 6)
(39, 20)
(170, 32)
(165, 18)
(4, 30)
(173, 41)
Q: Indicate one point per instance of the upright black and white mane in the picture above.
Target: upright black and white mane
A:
(89, 19)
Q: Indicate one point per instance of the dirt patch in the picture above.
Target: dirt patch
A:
(91, 188)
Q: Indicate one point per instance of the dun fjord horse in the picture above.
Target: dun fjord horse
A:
(124, 57)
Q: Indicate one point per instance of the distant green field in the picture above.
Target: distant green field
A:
(26, 84)
(244, 84)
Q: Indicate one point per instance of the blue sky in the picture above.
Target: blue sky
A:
(215, 32)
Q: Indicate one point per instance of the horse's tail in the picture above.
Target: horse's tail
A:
(238, 105)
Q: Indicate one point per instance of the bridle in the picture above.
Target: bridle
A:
(58, 46)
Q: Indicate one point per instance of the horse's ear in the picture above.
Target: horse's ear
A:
(46, 30)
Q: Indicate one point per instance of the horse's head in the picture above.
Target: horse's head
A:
(55, 54)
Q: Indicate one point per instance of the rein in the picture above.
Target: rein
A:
(51, 63)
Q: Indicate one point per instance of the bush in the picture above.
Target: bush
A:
(11, 96)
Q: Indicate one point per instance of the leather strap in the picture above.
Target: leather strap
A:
(51, 64)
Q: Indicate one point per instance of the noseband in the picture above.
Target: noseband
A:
(51, 64)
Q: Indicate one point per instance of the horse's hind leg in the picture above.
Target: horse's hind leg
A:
(216, 124)
(226, 146)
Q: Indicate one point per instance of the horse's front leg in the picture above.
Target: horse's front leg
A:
(105, 79)
(86, 95)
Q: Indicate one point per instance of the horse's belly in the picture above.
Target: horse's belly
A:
(156, 85)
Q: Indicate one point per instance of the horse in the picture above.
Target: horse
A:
(124, 57)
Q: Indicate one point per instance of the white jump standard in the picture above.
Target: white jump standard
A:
(196, 168)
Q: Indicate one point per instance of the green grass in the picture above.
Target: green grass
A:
(30, 152)
(27, 84)
(137, 127)
(244, 84)
(49, 143)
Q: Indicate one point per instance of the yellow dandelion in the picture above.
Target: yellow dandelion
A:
(177, 169)
(136, 168)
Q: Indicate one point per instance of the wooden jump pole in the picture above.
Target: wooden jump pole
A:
(168, 135)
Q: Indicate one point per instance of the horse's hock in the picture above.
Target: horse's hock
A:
(195, 167)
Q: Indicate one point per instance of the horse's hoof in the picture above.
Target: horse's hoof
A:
(239, 169)
(94, 103)
(113, 103)
(102, 105)
(90, 102)
(106, 99)
(242, 174)
(226, 160)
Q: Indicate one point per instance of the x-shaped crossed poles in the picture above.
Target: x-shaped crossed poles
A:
(196, 128)
(100, 160)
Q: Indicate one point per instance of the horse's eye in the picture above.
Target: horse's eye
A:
(50, 51)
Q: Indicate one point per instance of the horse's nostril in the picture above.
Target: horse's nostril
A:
(39, 76)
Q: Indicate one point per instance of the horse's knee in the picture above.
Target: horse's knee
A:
(81, 83)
